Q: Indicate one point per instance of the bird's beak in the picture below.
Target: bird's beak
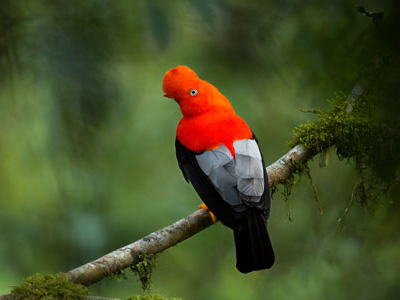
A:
(168, 95)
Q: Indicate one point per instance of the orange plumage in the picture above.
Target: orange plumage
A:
(208, 118)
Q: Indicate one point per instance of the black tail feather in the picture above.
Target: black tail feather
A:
(253, 246)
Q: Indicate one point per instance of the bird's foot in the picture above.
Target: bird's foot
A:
(213, 217)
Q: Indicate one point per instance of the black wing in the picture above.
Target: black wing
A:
(226, 213)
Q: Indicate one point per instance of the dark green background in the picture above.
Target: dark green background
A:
(87, 161)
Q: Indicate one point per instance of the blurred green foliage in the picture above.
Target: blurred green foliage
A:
(87, 140)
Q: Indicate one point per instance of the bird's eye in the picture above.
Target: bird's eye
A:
(193, 92)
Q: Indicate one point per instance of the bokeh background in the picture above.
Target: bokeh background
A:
(87, 161)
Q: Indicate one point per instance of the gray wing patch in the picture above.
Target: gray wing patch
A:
(247, 148)
(248, 159)
(219, 166)
(212, 159)
(251, 186)
(238, 180)
(249, 169)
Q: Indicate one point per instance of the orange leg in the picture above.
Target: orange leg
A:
(213, 217)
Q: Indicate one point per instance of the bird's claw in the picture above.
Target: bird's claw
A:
(213, 217)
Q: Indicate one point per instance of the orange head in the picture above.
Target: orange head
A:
(194, 96)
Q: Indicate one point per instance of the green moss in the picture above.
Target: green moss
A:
(144, 269)
(298, 169)
(336, 128)
(49, 287)
(356, 136)
(151, 297)
(120, 274)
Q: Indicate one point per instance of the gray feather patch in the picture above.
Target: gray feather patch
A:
(248, 167)
(248, 159)
(209, 160)
(249, 199)
(238, 180)
(231, 196)
(247, 148)
(222, 178)
(251, 187)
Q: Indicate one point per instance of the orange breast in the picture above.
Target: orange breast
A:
(209, 131)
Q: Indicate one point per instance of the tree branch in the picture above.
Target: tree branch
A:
(171, 235)
(153, 243)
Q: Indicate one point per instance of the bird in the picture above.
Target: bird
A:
(219, 156)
